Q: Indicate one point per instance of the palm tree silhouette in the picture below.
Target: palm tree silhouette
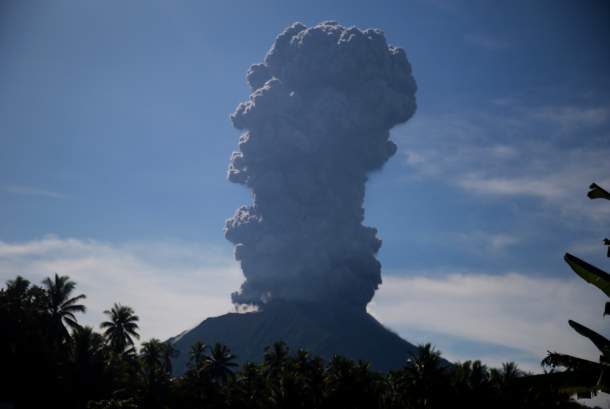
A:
(61, 306)
(251, 388)
(152, 355)
(275, 358)
(18, 285)
(88, 360)
(424, 376)
(121, 329)
(88, 346)
(219, 363)
(506, 376)
(197, 355)
(155, 358)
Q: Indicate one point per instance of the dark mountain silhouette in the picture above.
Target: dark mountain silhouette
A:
(322, 329)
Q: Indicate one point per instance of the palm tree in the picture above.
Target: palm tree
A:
(19, 286)
(424, 377)
(275, 358)
(88, 346)
(169, 353)
(351, 384)
(155, 375)
(197, 355)
(219, 363)
(506, 383)
(88, 360)
(61, 306)
(19, 296)
(157, 356)
(152, 353)
(251, 388)
(121, 329)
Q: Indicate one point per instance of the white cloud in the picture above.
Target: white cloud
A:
(482, 242)
(511, 186)
(589, 247)
(570, 118)
(172, 285)
(513, 310)
(512, 155)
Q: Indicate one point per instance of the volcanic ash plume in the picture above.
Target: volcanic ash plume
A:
(317, 122)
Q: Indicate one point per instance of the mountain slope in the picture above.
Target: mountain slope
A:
(322, 329)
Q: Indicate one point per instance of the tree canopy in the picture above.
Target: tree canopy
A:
(90, 370)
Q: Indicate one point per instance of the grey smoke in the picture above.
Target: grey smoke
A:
(317, 123)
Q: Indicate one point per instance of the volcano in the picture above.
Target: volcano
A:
(316, 125)
(323, 330)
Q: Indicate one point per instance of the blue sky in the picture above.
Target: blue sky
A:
(115, 140)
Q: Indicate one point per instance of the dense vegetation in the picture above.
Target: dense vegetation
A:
(49, 360)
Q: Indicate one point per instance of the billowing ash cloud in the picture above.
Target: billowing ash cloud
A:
(317, 122)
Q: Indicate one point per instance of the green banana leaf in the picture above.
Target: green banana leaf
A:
(589, 273)
(597, 192)
(601, 342)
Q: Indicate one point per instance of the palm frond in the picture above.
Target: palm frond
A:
(47, 283)
(75, 308)
(106, 324)
(72, 323)
(133, 333)
(69, 315)
(74, 300)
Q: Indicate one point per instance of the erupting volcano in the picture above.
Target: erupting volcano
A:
(317, 123)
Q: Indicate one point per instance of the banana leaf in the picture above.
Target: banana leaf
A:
(589, 273)
(555, 359)
(597, 192)
(572, 382)
(601, 342)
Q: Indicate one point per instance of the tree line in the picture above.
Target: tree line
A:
(49, 360)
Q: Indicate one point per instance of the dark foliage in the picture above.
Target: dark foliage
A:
(583, 377)
(76, 367)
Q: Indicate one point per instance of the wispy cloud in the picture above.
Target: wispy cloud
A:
(31, 191)
(522, 313)
(587, 247)
(485, 242)
(172, 285)
(537, 153)
(542, 188)
(571, 118)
